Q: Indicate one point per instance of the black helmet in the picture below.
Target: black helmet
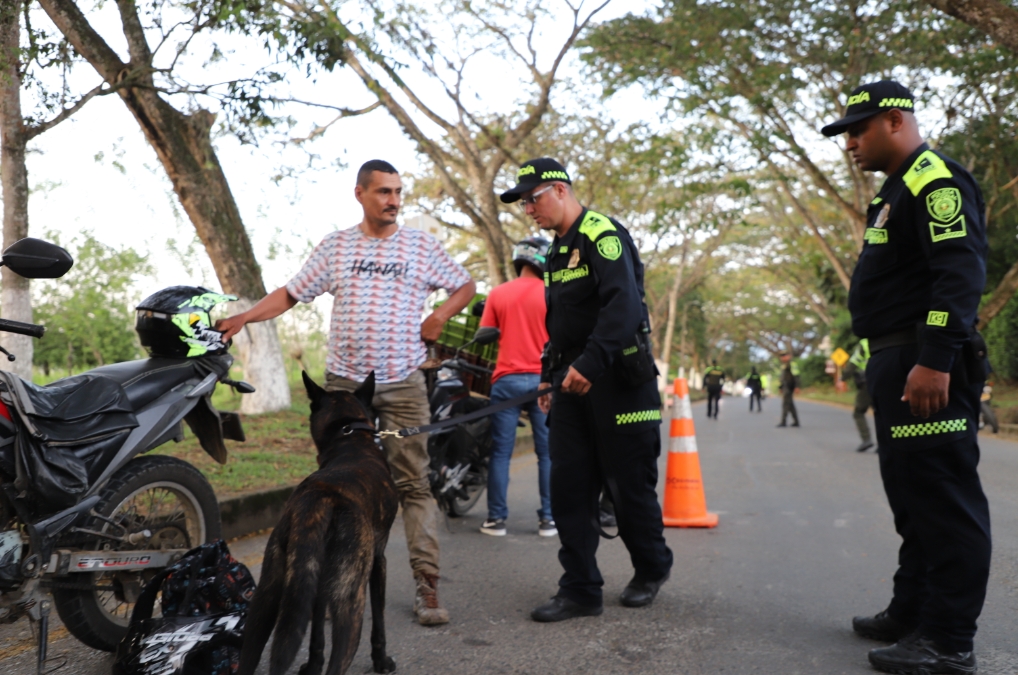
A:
(532, 251)
(174, 322)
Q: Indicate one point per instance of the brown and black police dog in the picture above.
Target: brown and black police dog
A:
(328, 548)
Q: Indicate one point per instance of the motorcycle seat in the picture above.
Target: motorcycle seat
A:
(146, 380)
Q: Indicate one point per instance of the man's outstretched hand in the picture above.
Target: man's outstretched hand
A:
(230, 326)
(926, 390)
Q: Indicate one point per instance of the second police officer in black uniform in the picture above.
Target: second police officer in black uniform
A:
(605, 422)
(914, 295)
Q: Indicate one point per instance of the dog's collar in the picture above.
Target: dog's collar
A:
(357, 426)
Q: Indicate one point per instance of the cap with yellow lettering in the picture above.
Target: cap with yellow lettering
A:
(868, 100)
(531, 174)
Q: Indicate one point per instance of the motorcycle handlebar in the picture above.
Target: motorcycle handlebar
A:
(463, 365)
(30, 329)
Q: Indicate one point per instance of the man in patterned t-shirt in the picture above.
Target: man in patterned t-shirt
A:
(379, 276)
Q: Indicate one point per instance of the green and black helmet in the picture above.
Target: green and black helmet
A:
(175, 322)
(531, 251)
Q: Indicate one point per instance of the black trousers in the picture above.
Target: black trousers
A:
(713, 401)
(929, 473)
(754, 395)
(576, 481)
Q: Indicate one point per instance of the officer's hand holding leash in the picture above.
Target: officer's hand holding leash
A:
(926, 390)
(544, 403)
(575, 383)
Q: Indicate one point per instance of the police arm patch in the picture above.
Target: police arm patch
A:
(952, 230)
(944, 204)
(937, 319)
(610, 247)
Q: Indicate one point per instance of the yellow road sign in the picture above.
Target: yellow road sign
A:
(839, 356)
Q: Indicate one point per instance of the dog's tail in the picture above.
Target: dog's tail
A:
(264, 610)
(305, 556)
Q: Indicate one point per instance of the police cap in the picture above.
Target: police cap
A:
(531, 174)
(868, 100)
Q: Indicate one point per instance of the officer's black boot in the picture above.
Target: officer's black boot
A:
(919, 655)
(881, 627)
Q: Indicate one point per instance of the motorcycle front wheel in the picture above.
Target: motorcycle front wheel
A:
(164, 495)
(470, 492)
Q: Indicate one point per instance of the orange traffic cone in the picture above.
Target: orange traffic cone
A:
(685, 504)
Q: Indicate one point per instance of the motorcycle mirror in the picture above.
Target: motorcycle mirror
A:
(485, 335)
(37, 259)
(244, 388)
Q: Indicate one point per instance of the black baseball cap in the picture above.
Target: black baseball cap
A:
(532, 173)
(868, 100)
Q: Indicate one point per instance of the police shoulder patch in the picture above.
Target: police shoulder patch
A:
(594, 225)
(610, 247)
(927, 168)
(944, 204)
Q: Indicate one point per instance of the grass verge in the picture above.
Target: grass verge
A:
(278, 450)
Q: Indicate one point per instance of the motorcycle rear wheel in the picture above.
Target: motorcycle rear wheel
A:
(989, 417)
(473, 484)
(164, 495)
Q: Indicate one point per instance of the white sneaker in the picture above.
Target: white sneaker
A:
(495, 528)
(546, 528)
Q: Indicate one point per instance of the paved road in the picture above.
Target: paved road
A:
(805, 541)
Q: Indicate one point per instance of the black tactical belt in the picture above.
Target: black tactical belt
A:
(899, 339)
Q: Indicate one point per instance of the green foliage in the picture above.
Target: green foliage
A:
(1002, 343)
(989, 148)
(89, 313)
(811, 370)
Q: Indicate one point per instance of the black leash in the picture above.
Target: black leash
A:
(453, 421)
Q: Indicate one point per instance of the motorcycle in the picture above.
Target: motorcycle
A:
(986, 414)
(459, 454)
(87, 517)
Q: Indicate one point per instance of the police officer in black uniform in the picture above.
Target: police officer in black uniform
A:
(915, 292)
(713, 381)
(605, 421)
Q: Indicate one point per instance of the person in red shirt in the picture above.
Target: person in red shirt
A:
(517, 309)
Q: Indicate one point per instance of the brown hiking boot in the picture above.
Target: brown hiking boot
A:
(426, 606)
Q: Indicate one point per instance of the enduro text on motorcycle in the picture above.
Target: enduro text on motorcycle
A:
(459, 454)
(85, 515)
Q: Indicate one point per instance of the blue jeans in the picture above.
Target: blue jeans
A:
(503, 435)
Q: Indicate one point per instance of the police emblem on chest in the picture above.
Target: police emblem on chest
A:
(944, 206)
(882, 217)
(574, 259)
(877, 234)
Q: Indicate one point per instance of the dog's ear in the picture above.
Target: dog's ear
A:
(366, 392)
(314, 391)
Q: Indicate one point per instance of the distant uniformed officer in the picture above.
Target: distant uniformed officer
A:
(863, 402)
(915, 292)
(713, 380)
(789, 385)
(755, 385)
(605, 422)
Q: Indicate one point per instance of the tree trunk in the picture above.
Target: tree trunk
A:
(184, 147)
(1004, 291)
(673, 303)
(15, 300)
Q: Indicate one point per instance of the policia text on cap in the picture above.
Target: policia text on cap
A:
(914, 295)
(605, 421)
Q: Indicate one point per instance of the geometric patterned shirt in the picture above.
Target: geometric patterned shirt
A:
(379, 287)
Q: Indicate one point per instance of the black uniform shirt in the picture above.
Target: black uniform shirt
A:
(594, 292)
(924, 257)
